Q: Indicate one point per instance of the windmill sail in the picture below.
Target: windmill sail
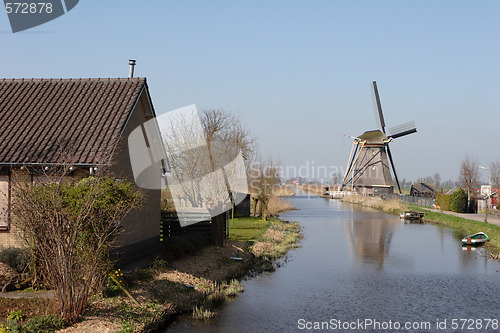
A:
(379, 116)
(402, 130)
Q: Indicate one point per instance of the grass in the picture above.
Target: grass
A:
(247, 229)
(267, 241)
(388, 206)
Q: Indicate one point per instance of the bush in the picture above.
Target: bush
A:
(16, 258)
(70, 228)
(49, 323)
(443, 201)
(459, 201)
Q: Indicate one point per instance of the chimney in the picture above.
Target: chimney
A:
(131, 62)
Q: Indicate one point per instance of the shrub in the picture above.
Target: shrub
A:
(443, 201)
(16, 258)
(70, 228)
(459, 201)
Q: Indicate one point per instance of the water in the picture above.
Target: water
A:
(359, 264)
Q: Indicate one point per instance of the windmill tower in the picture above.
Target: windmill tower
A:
(368, 169)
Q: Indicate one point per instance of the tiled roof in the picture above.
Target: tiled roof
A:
(83, 118)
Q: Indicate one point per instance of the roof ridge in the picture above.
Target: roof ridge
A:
(73, 79)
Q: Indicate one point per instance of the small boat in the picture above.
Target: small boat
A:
(475, 239)
(411, 215)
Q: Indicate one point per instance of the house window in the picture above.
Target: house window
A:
(4, 202)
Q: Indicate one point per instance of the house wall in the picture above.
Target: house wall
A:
(141, 228)
(12, 236)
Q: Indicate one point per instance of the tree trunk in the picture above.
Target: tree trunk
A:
(218, 229)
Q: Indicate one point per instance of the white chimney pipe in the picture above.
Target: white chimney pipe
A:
(131, 62)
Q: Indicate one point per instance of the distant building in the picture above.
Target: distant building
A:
(426, 190)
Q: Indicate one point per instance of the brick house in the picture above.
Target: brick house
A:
(91, 119)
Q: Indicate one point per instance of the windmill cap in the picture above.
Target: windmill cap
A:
(374, 137)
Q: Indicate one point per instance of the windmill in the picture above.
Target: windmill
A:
(368, 168)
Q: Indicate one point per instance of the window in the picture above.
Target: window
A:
(4, 202)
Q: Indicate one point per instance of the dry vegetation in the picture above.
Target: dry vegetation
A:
(278, 205)
(312, 188)
(283, 191)
(389, 206)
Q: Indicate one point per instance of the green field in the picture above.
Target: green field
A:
(247, 229)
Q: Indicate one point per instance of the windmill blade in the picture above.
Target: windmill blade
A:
(350, 165)
(378, 107)
(393, 167)
(402, 130)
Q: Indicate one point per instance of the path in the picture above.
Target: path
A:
(493, 219)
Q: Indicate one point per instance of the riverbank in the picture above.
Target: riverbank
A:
(196, 284)
(462, 225)
(313, 189)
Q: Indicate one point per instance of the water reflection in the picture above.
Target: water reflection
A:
(370, 240)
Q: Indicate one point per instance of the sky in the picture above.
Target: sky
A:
(298, 73)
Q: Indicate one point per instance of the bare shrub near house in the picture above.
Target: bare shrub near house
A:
(70, 226)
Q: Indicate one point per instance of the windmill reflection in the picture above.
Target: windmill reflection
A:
(370, 239)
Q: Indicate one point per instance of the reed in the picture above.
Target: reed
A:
(278, 205)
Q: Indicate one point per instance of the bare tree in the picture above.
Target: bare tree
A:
(209, 156)
(264, 176)
(495, 174)
(469, 174)
(437, 180)
(226, 138)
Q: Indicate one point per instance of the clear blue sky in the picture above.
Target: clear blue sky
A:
(297, 72)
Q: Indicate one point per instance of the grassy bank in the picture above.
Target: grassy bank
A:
(196, 284)
(313, 189)
(462, 225)
(278, 205)
(388, 206)
(465, 227)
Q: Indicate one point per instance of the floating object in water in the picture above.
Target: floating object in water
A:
(475, 239)
(411, 215)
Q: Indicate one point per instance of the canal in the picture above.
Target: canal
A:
(360, 270)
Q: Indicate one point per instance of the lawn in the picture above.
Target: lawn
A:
(247, 229)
